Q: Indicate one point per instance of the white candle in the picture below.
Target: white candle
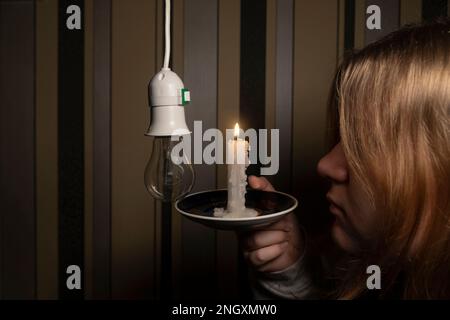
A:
(237, 154)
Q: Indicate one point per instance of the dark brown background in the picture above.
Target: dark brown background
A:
(225, 50)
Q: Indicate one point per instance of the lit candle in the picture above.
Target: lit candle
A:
(238, 161)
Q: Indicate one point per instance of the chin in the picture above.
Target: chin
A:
(342, 239)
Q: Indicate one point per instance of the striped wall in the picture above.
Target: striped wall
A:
(18, 203)
(74, 109)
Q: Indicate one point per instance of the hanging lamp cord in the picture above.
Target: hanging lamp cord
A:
(167, 41)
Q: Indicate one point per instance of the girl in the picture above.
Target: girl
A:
(390, 174)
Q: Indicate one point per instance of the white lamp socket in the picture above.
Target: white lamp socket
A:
(167, 97)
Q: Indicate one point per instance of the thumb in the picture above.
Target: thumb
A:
(260, 183)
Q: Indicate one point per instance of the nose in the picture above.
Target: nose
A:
(334, 165)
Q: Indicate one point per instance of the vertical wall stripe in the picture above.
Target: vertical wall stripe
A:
(228, 71)
(165, 276)
(47, 148)
(284, 74)
(70, 148)
(158, 47)
(360, 23)
(178, 36)
(314, 67)
(133, 218)
(102, 150)
(165, 253)
(157, 237)
(88, 148)
(252, 85)
(271, 51)
(253, 68)
(341, 32)
(227, 116)
(349, 24)
(313, 72)
(168, 220)
(432, 9)
(178, 67)
(200, 76)
(410, 11)
(163, 210)
(270, 76)
(17, 148)
(390, 19)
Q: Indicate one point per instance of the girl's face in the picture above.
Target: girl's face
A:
(354, 225)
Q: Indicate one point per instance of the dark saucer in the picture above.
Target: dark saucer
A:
(271, 207)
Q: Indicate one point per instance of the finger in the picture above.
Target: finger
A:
(266, 254)
(281, 225)
(280, 263)
(284, 224)
(260, 183)
(263, 239)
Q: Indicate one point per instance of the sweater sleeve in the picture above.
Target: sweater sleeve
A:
(294, 282)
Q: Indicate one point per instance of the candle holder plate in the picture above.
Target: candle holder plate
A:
(271, 207)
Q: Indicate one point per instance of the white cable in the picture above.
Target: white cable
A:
(167, 44)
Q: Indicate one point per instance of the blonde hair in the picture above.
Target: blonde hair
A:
(393, 108)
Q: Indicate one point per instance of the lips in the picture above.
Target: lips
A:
(337, 211)
(334, 208)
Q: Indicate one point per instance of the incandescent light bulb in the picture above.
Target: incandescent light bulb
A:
(168, 177)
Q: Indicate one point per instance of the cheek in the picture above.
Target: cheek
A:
(343, 239)
(361, 213)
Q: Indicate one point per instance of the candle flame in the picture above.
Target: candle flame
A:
(236, 130)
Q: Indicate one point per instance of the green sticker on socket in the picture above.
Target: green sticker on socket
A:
(185, 96)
